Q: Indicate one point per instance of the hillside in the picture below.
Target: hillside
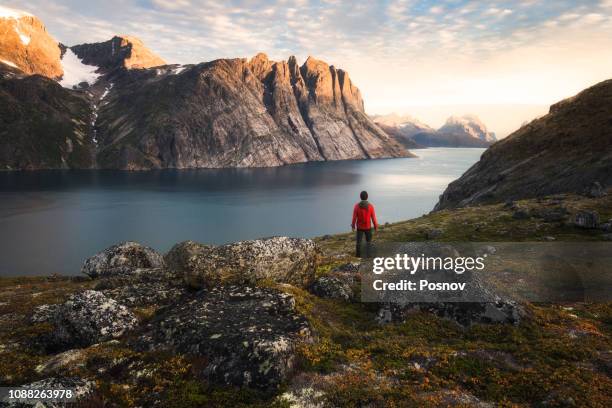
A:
(564, 151)
(343, 355)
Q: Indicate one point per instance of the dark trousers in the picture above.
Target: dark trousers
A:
(368, 237)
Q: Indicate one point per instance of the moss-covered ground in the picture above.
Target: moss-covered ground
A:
(560, 355)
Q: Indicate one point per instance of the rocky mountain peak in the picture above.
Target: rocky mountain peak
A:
(123, 51)
(403, 121)
(469, 124)
(26, 45)
(260, 65)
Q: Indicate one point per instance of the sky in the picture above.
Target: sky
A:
(504, 61)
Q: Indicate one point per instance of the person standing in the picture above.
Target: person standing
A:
(364, 219)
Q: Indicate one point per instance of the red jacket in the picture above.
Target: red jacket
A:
(362, 217)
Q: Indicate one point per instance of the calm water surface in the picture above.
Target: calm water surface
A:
(50, 221)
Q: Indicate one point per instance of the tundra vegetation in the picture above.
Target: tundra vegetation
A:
(558, 355)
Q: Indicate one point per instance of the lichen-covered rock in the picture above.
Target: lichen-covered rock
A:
(188, 256)
(120, 259)
(248, 335)
(453, 398)
(89, 317)
(491, 307)
(143, 287)
(586, 219)
(81, 388)
(465, 314)
(350, 268)
(68, 359)
(332, 287)
(43, 313)
(280, 259)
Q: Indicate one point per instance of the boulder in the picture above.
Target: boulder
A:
(122, 259)
(188, 256)
(341, 282)
(332, 287)
(280, 259)
(87, 318)
(350, 268)
(144, 287)
(595, 190)
(483, 304)
(43, 313)
(247, 335)
(586, 219)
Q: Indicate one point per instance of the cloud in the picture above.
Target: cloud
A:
(407, 52)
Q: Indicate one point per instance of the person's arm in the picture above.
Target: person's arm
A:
(374, 218)
(354, 218)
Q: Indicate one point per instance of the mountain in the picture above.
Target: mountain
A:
(236, 113)
(464, 131)
(128, 109)
(26, 45)
(403, 135)
(564, 151)
(468, 125)
(42, 125)
(118, 52)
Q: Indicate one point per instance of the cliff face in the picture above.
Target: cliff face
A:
(42, 125)
(564, 151)
(118, 52)
(236, 113)
(25, 44)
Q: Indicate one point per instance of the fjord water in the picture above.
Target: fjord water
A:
(51, 221)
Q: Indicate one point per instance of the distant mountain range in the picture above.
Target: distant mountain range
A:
(458, 131)
(120, 106)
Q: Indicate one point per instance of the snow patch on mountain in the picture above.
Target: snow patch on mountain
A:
(25, 40)
(76, 72)
(9, 63)
(7, 12)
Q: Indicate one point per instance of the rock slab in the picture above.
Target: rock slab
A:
(279, 259)
(248, 336)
